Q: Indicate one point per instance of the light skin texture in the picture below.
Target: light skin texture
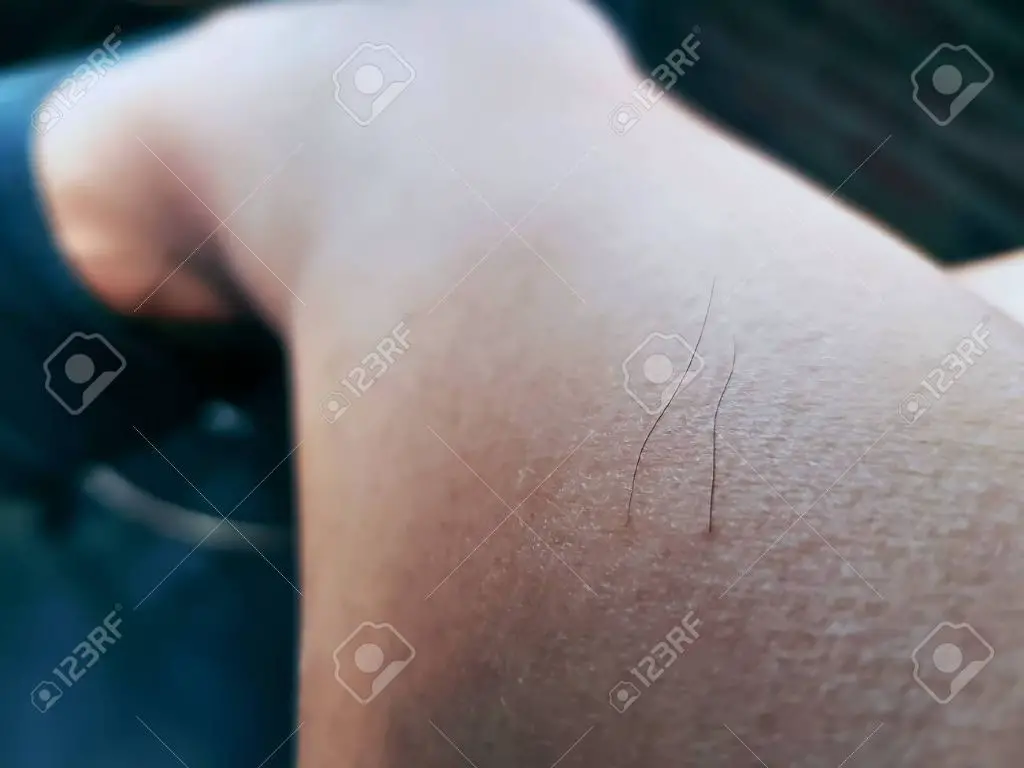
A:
(475, 497)
(999, 281)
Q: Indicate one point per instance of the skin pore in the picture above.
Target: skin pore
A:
(474, 496)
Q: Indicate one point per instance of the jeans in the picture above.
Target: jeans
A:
(128, 638)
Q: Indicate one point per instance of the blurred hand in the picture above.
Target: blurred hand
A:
(230, 147)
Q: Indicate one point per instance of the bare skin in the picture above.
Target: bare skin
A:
(475, 496)
(999, 281)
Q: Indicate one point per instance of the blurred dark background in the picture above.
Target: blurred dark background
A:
(209, 621)
(819, 84)
(822, 84)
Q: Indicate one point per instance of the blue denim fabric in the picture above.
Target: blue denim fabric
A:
(204, 663)
(201, 666)
(42, 305)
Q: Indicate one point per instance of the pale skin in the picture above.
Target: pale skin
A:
(1000, 281)
(475, 496)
